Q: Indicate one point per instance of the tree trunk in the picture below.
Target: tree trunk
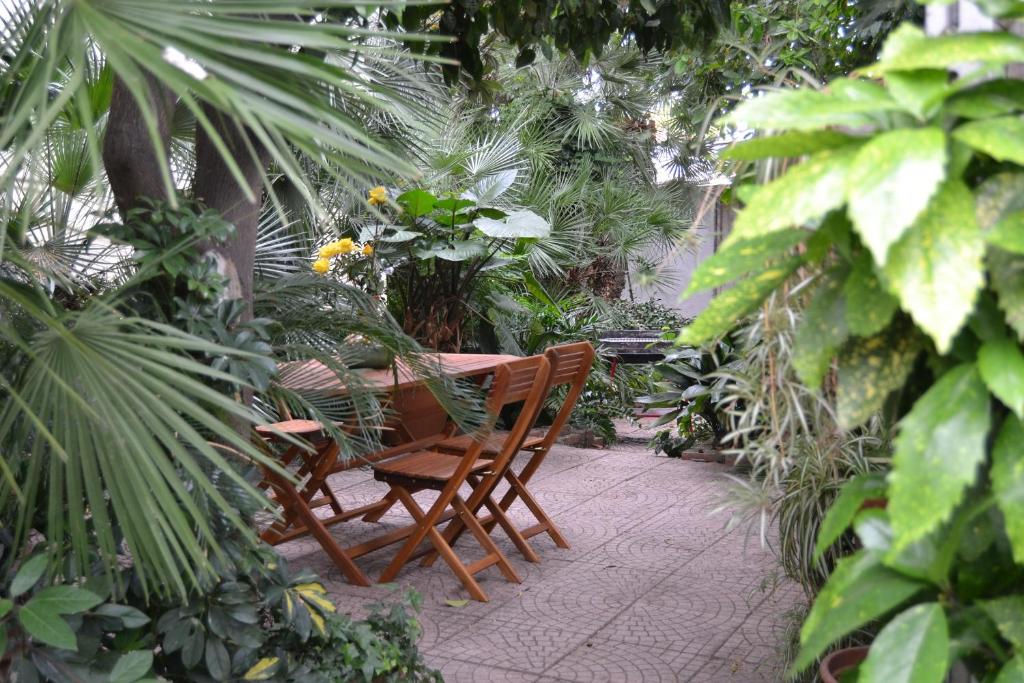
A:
(131, 161)
(218, 189)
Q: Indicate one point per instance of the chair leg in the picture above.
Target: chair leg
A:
(427, 530)
(473, 524)
(374, 515)
(510, 529)
(545, 522)
(295, 507)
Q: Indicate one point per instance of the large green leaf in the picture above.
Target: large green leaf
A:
(1008, 234)
(731, 305)
(1008, 481)
(805, 192)
(870, 369)
(997, 198)
(131, 667)
(869, 308)
(46, 625)
(987, 99)
(920, 92)
(1001, 364)
(739, 258)
(1006, 276)
(455, 251)
(1013, 671)
(822, 330)
(939, 448)
(906, 52)
(517, 224)
(912, 648)
(65, 599)
(860, 590)
(1008, 614)
(1001, 138)
(28, 574)
(845, 507)
(846, 103)
(936, 268)
(791, 144)
(891, 181)
(416, 202)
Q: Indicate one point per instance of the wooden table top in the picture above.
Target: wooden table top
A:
(314, 375)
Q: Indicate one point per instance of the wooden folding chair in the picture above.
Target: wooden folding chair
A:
(570, 365)
(524, 381)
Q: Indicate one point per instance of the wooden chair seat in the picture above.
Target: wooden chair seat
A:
(492, 444)
(429, 466)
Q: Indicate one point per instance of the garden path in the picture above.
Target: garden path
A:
(653, 588)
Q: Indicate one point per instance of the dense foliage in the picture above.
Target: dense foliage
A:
(907, 210)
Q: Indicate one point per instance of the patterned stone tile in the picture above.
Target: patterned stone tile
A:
(602, 661)
(652, 589)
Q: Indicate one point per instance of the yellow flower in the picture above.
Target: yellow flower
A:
(378, 195)
(321, 265)
(345, 245)
(328, 250)
(367, 249)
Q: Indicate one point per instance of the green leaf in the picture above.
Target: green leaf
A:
(936, 268)
(400, 236)
(1000, 138)
(516, 225)
(452, 205)
(807, 191)
(946, 52)
(131, 667)
(66, 599)
(997, 198)
(870, 369)
(456, 603)
(47, 626)
(791, 144)
(218, 661)
(939, 448)
(1013, 671)
(860, 590)
(912, 648)
(731, 305)
(28, 575)
(869, 308)
(416, 202)
(1006, 276)
(890, 182)
(988, 99)
(1008, 614)
(920, 92)
(822, 330)
(846, 103)
(129, 616)
(456, 251)
(1008, 481)
(5, 607)
(1008, 234)
(737, 259)
(846, 506)
(1001, 363)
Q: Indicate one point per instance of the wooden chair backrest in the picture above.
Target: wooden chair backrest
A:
(570, 364)
(525, 380)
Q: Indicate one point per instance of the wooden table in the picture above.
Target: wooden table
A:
(418, 415)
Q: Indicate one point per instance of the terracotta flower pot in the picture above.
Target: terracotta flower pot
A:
(840, 661)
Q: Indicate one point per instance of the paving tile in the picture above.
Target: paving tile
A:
(653, 588)
(602, 661)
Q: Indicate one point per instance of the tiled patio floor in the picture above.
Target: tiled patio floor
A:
(652, 589)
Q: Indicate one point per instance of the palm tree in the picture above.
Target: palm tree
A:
(107, 414)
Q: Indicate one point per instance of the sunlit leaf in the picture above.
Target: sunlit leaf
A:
(938, 451)
(912, 648)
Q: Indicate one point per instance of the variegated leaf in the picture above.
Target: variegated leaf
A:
(936, 268)
(871, 368)
(740, 258)
(938, 451)
(1008, 481)
(822, 330)
(890, 182)
(1006, 275)
(869, 308)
